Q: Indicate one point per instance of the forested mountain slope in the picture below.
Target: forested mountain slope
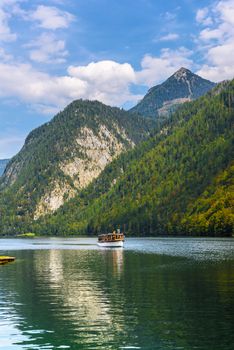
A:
(65, 155)
(180, 181)
(163, 99)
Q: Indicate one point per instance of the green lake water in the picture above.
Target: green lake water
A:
(163, 294)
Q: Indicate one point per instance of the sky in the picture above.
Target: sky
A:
(55, 51)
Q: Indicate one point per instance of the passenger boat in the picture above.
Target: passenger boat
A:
(114, 239)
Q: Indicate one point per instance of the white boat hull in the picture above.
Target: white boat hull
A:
(111, 244)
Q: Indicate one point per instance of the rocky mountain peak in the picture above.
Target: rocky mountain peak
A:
(182, 72)
(161, 100)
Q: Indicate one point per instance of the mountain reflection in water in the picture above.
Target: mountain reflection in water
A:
(116, 299)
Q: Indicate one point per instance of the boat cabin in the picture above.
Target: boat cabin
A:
(111, 237)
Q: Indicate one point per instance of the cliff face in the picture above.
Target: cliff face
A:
(97, 151)
(65, 155)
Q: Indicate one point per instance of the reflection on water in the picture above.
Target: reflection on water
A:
(196, 248)
(118, 299)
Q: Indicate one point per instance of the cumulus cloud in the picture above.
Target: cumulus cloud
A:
(5, 31)
(219, 38)
(203, 16)
(33, 87)
(49, 17)
(4, 56)
(208, 34)
(169, 37)
(106, 81)
(47, 49)
(156, 69)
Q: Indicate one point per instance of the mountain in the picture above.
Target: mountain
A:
(65, 155)
(3, 164)
(182, 86)
(179, 181)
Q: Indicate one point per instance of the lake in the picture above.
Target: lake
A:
(162, 293)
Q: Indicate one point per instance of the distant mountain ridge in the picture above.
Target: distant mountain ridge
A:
(3, 164)
(182, 86)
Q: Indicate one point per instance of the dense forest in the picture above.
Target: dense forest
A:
(31, 174)
(180, 181)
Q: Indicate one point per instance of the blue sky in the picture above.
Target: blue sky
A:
(55, 51)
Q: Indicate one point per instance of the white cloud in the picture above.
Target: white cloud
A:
(219, 38)
(208, 34)
(106, 81)
(5, 31)
(49, 17)
(169, 37)
(5, 57)
(47, 49)
(222, 55)
(156, 69)
(203, 16)
(170, 16)
(225, 9)
(33, 87)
